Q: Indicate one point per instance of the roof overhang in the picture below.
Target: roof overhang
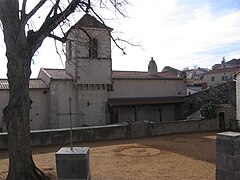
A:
(145, 101)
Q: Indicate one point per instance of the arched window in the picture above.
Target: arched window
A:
(93, 48)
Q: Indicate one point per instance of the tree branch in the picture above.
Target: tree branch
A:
(116, 5)
(34, 10)
(56, 7)
(23, 11)
(61, 39)
(126, 41)
(121, 48)
(36, 38)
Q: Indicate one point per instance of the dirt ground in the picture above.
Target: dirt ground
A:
(180, 157)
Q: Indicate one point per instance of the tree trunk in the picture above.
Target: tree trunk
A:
(21, 165)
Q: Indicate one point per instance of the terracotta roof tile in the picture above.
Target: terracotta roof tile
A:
(222, 70)
(57, 74)
(143, 75)
(33, 84)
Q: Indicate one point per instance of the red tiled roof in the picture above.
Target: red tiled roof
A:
(222, 70)
(143, 75)
(33, 84)
(144, 101)
(235, 73)
(57, 73)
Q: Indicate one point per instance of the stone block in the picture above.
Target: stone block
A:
(236, 175)
(220, 161)
(225, 147)
(229, 135)
(237, 163)
(228, 156)
(73, 164)
(228, 143)
(223, 175)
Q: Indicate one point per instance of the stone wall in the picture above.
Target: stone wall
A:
(222, 94)
(117, 131)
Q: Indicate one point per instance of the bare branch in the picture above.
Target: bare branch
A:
(128, 42)
(64, 38)
(52, 22)
(23, 12)
(116, 4)
(55, 43)
(61, 39)
(34, 10)
(56, 7)
(121, 48)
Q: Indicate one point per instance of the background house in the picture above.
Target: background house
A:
(218, 76)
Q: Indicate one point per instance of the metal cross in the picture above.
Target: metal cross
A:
(70, 115)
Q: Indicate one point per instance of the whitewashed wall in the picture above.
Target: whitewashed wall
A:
(92, 105)
(39, 112)
(3, 103)
(238, 97)
(60, 91)
(147, 88)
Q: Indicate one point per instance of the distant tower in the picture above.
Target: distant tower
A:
(152, 67)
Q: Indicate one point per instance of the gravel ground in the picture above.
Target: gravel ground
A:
(179, 157)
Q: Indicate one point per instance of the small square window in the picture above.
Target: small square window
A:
(224, 78)
(212, 78)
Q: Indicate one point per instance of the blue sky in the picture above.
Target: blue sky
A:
(176, 33)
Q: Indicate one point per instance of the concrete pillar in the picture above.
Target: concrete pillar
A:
(228, 156)
(73, 164)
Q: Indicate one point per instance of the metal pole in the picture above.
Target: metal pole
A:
(70, 114)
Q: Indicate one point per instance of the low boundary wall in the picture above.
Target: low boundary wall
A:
(116, 131)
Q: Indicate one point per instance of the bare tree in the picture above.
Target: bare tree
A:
(22, 42)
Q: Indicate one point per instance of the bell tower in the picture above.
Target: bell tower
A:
(88, 61)
(88, 50)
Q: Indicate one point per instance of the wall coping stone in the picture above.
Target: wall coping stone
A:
(229, 135)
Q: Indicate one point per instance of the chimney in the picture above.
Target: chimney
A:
(152, 68)
(223, 62)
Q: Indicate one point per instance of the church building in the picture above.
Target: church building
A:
(97, 94)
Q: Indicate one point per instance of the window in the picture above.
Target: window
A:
(224, 78)
(93, 48)
(212, 78)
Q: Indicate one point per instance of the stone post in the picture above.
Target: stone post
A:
(228, 156)
(73, 164)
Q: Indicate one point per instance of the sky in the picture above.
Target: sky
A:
(176, 33)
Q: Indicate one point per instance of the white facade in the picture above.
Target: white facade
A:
(238, 97)
(39, 112)
(147, 88)
(218, 76)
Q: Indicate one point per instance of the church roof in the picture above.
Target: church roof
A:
(144, 75)
(33, 84)
(57, 74)
(90, 21)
